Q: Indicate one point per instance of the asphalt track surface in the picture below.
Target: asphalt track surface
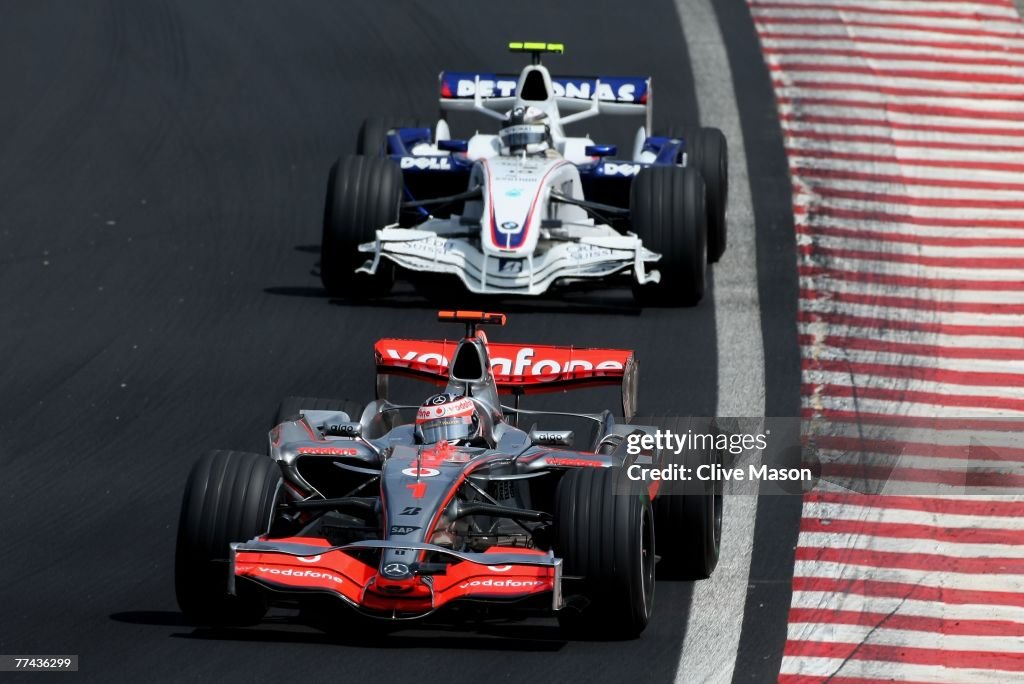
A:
(162, 167)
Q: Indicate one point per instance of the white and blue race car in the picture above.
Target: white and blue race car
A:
(527, 208)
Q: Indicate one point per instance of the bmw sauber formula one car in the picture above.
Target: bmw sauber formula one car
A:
(360, 517)
(529, 207)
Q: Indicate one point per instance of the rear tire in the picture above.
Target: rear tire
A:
(688, 515)
(372, 140)
(291, 406)
(230, 497)
(363, 195)
(605, 534)
(669, 215)
(707, 151)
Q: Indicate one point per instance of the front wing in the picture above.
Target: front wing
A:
(300, 564)
(587, 258)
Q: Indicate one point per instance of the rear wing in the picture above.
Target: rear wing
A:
(618, 95)
(517, 369)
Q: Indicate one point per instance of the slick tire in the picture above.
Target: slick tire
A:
(372, 140)
(230, 497)
(688, 515)
(291, 406)
(604, 533)
(707, 151)
(363, 195)
(668, 213)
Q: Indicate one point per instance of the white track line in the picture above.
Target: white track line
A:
(909, 545)
(871, 634)
(906, 6)
(716, 612)
(856, 603)
(875, 670)
(847, 511)
(922, 578)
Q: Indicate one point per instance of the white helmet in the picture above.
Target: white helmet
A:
(525, 130)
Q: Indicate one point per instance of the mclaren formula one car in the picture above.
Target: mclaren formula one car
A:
(364, 517)
(528, 207)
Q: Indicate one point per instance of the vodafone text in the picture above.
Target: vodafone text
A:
(523, 364)
(503, 583)
(289, 572)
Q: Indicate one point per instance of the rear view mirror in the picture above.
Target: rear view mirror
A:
(600, 150)
(554, 438)
(343, 429)
(453, 145)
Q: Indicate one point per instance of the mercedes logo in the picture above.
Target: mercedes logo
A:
(396, 569)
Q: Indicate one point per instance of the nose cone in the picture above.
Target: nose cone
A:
(414, 488)
(515, 203)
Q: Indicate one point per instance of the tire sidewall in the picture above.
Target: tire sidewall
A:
(707, 151)
(668, 213)
(229, 497)
(600, 533)
(364, 194)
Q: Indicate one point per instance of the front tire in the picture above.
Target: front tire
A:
(667, 207)
(363, 195)
(605, 534)
(230, 497)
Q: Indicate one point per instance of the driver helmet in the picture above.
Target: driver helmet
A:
(525, 129)
(449, 417)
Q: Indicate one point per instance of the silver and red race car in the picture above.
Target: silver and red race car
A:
(358, 512)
